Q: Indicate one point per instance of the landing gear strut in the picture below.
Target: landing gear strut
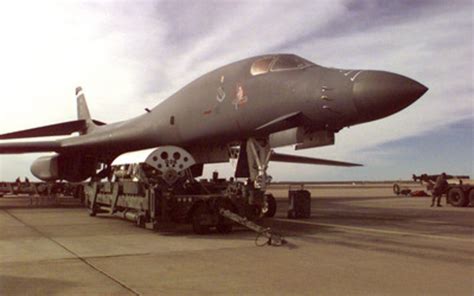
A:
(258, 155)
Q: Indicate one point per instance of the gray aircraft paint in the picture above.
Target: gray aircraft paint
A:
(229, 104)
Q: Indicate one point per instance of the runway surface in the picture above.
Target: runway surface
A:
(360, 240)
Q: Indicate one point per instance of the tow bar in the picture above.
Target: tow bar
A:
(273, 239)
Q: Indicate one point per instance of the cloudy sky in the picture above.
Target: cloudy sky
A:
(129, 55)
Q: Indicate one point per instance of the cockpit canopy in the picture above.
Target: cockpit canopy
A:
(283, 62)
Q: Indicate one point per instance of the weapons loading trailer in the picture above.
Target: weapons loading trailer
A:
(154, 197)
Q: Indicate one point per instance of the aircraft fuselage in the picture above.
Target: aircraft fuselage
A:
(252, 98)
(230, 103)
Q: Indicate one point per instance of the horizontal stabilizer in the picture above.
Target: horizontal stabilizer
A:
(309, 160)
(96, 122)
(26, 147)
(59, 129)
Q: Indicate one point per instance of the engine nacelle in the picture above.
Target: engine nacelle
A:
(46, 168)
(63, 167)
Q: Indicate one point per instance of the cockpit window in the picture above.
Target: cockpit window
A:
(261, 66)
(289, 62)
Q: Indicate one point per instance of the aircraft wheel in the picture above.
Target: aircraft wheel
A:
(200, 213)
(396, 189)
(91, 209)
(457, 198)
(471, 197)
(140, 221)
(254, 212)
(269, 206)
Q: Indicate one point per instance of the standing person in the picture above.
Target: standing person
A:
(439, 188)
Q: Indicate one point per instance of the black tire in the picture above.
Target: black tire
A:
(270, 206)
(405, 192)
(224, 228)
(457, 197)
(140, 221)
(396, 189)
(200, 211)
(253, 212)
(471, 197)
(291, 215)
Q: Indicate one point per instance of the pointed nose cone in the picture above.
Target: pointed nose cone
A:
(377, 94)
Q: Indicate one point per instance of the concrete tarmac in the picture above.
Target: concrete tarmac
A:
(360, 240)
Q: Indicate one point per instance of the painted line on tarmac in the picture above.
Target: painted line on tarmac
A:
(380, 231)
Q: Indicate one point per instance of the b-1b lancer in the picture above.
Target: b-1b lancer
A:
(242, 110)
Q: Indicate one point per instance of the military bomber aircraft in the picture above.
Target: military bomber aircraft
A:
(244, 109)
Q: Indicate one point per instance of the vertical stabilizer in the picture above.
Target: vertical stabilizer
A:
(83, 110)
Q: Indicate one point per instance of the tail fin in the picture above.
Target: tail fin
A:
(83, 125)
(82, 109)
